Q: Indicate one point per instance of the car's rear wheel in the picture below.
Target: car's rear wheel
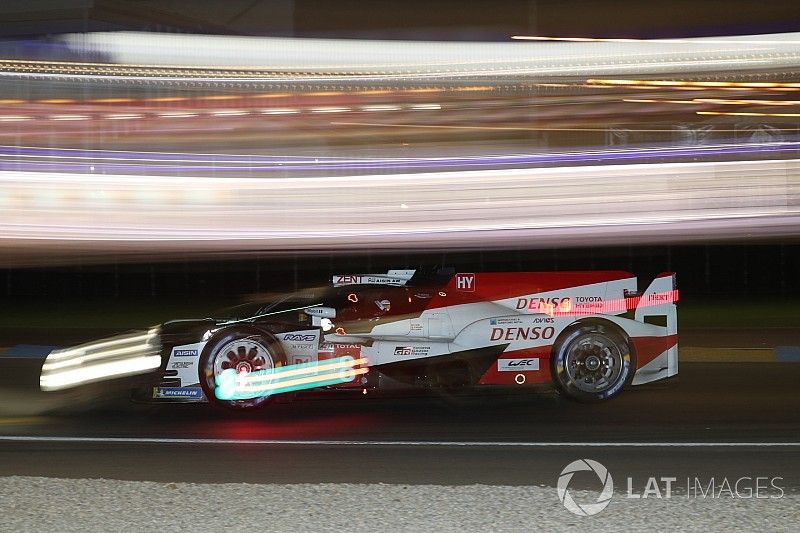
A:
(243, 351)
(592, 362)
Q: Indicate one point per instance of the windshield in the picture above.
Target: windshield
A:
(277, 305)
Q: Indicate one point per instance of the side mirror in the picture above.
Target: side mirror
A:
(321, 312)
(321, 316)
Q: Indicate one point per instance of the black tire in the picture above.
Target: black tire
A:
(249, 339)
(592, 362)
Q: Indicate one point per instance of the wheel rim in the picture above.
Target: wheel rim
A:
(244, 356)
(594, 363)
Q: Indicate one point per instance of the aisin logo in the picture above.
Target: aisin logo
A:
(585, 509)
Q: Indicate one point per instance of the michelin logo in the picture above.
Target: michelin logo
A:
(178, 392)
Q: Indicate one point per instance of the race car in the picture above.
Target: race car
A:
(590, 334)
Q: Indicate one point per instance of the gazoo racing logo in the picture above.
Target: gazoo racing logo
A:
(296, 337)
(522, 334)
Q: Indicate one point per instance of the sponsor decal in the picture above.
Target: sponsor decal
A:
(517, 365)
(184, 353)
(422, 295)
(522, 334)
(587, 299)
(660, 297)
(545, 305)
(348, 280)
(465, 282)
(367, 279)
(501, 321)
(300, 360)
(299, 337)
(178, 392)
(383, 305)
(408, 351)
(182, 364)
(416, 326)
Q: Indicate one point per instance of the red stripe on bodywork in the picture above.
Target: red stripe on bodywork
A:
(648, 348)
(491, 286)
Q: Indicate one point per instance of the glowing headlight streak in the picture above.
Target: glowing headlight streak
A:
(92, 362)
(98, 372)
(238, 386)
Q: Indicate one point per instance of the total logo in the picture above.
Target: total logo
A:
(591, 507)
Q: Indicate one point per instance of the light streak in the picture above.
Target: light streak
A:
(330, 109)
(234, 386)
(116, 357)
(693, 41)
(122, 116)
(746, 114)
(689, 83)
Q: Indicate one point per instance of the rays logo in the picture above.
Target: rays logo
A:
(585, 509)
(299, 338)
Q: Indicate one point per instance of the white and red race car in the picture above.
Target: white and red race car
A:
(588, 333)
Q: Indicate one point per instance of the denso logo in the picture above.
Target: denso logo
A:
(465, 282)
(295, 337)
(536, 304)
(522, 334)
(185, 353)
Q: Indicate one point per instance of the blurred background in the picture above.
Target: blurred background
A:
(157, 161)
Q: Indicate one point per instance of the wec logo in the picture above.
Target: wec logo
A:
(603, 499)
(517, 365)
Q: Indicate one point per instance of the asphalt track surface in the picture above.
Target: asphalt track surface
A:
(715, 420)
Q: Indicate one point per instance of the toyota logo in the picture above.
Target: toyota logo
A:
(588, 508)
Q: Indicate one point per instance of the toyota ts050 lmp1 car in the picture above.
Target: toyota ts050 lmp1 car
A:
(588, 333)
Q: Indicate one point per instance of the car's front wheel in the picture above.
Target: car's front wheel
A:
(592, 362)
(242, 351)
